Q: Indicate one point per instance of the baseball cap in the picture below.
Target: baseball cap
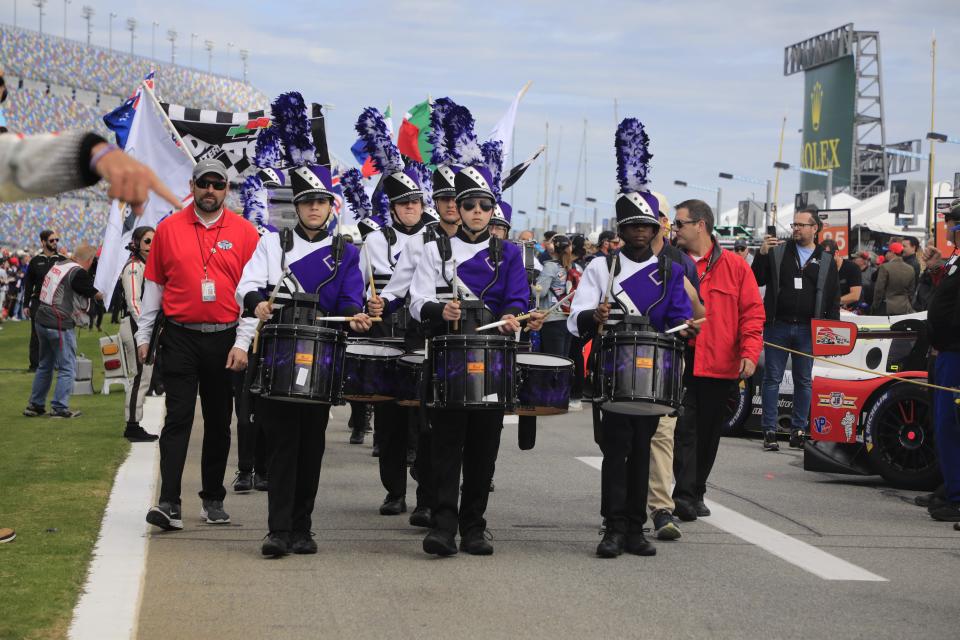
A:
(740, 244)
(209, 165)
(896, 248)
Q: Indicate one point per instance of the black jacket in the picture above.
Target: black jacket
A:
(782, 301)
(36, 272)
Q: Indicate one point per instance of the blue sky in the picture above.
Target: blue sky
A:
(705, 77)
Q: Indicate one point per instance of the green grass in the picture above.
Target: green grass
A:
(55, 478)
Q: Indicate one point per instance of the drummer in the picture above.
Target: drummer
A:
(470, 439)
(640, 287)
(382, 250)
(329, 268)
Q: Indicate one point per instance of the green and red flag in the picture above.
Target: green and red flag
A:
(412, 137)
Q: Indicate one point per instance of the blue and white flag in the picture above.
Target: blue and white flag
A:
(120, 119)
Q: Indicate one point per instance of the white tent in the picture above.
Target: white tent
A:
(874, 213)
(785, 215)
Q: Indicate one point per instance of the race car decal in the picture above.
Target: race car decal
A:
(836, 400)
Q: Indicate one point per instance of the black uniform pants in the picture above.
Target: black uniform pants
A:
(392, 425)
(697, 436)
(296, 439)
(423, 466)
(251, 441)
(34, 340)
(471, 440)
(193, 360)
(625, 473)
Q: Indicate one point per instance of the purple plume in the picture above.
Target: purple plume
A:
(424, 178)
(269, 152)
(493, 156)
(353, 193)
(253, 195)
(633, 156)
(461, 137)
(437, 135)
(293, 127)
(376, 138)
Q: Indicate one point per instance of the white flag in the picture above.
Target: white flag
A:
(504, 129)
(150, 143)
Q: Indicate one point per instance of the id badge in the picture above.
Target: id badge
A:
(798, 283)
(208, 290)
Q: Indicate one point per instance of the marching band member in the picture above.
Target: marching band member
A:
(641, 286)
(470, 439)
(329, 268)
(381, 252)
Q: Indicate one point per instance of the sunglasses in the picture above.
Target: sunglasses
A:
(53, 240)
(146, 241)
(739, 248)
(472, 203)
(680, 224)
(219, 185)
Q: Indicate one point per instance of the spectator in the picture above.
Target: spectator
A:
(607, 243)
(526, 236)
(36, 272)
(64, 300)
(931, 276)
(896, 284)
(868, 277)
(910, 248)
(848, 276)
(740, 248)
(547, 246)
(802, 283)
(553, 284)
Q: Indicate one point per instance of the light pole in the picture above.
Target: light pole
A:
(229, 47)
(718, 191)
(933, 137)
(730, 176)
(208, 44)
(131, 27)
(65, 3)
(193, 37)
(243, 62)
(172, 37)
(110, 30)
(87, 13)
(39, 5)
(828, 174)
(153, 40)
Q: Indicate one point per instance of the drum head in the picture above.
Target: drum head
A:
(543, 360)
(413, 358)
(637, 408)
(374, 350)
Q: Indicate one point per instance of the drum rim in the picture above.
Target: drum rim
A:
(528, 354)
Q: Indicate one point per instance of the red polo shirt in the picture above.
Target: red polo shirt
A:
(181, 247)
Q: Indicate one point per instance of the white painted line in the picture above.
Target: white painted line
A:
(796, 552)
(110, 602)
(511, 419)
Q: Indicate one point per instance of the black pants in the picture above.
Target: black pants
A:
(426, 482)
(555, 339)
(697, 436)
(251, 441)
(625, 473)
(391, 423)
(34, 341)
(296, 440)
(576, 354)
(193, 360)
(471, 440)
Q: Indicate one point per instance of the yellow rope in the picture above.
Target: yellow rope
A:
(873, 373)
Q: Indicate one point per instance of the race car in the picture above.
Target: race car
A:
(861, 422)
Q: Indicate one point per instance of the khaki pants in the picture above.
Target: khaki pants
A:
(136, 391)
(661, 466)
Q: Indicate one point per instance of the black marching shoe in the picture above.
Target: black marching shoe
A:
(684, 510)
(135, 433)
(422, 517)
(440, 543)
(260, 482)
(612, 544)
(376, 450)
(393, 506)
(301, 542)
(701, 508)
(275, 545)
(357, 434)
(476, 544)
(946, 512)
(797, 436)
(638, 545)
(770, 441)
(243, 483)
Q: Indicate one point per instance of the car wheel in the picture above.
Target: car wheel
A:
(899, 438)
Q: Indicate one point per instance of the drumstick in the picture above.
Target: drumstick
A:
(683, 326)
(500, 323)
(346, 319)
(606, 295)
(456, 293)
(273, 296)
(373, 286)
(553, 308)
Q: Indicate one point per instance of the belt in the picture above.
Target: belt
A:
(792, 320)
(203, 327)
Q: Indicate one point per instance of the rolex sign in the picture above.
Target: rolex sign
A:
(828, 116)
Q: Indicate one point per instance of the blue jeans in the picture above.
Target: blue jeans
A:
(946, 421)
(58, 350)
(792, 336)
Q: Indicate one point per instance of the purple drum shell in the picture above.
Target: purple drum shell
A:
(409, 379)
(473, 372)
(543, 384)
(369, 372)
(301, 364)
(641, 373)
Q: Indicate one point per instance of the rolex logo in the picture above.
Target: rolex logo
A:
(816, 105)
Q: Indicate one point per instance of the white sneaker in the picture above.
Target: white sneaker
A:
(575, 405)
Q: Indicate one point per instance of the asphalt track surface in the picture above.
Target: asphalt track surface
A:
(372, 580)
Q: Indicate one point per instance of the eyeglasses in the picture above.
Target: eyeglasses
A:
(219, 185)
(799, 225)
(679, 224)
(147, 240)
(53, 240)
(472, 203)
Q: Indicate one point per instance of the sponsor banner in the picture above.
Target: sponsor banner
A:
(942, 206)
(828, 120)
(833, 337)
(836, 227)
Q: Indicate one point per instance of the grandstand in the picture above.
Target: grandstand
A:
(57, 84)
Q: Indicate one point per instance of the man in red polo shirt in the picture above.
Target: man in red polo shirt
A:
(192, 273)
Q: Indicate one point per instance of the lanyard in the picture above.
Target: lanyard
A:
(204, 261)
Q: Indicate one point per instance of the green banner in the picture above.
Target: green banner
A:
(828, 113)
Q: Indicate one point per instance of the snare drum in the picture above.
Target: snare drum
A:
(300, 364)
(543, 384)
(410, 378)
(640, 373)
(472, 372)
(370, 370)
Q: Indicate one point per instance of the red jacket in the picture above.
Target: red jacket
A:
(735, 316)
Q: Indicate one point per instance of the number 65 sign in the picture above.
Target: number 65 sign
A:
(836, 227)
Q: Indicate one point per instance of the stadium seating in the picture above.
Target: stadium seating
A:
(75, 220)
(30, 111)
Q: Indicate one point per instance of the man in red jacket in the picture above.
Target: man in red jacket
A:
(726, 351)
